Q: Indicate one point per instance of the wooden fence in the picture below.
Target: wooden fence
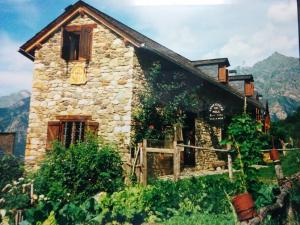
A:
(144, 149)
(176, 159)
(175, 151)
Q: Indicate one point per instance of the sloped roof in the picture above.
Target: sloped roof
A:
(135, 38)
(205, 62)
(246, 77)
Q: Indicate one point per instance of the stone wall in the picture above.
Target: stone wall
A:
(206, 136)
(107, 95)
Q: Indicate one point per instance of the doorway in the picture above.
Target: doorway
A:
(189, 139)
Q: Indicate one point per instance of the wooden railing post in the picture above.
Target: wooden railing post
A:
(144, 162)
(176, 162)
(229, 159)
(176, 157)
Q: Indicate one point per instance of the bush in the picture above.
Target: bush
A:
(76, 173)
(201, 219)
(15, 195)
(165, 199)
(11, 168)
(291, 163)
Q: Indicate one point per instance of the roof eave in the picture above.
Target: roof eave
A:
(26, 54)
(72, 10)
(217, 61)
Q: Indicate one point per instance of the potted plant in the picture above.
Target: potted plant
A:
(243, 202)
(246, 139)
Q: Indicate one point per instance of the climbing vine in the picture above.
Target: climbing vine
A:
(247, 139)
(163, 103)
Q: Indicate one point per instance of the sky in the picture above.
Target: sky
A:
(245, 31)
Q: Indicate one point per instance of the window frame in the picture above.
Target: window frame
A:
(75, 29)
(56, 129)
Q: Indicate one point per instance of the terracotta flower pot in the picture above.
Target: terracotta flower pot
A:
(274, 155)
(151, 126)
(244, 206)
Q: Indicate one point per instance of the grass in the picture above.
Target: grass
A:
(267, 174)
(290, 165)
(201, 219)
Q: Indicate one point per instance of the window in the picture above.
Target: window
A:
(70, 129)
(73, 131)
(77, 42)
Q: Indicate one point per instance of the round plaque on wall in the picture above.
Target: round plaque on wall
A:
(78, 75)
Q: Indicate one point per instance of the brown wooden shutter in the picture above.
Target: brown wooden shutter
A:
(85, 44)
(223, 74)
(93, 127)
(53, 133)
(249, 88)
(65, 50)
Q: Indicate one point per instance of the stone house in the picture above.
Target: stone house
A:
(88, 71)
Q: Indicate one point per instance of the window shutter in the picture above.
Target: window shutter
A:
(85, 45)
(65, 50)
(53, 133)
(223, 74)
(249, 88)
(93, 127)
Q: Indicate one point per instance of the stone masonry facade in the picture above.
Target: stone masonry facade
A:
(107, 96)
(114, 79)
(207, 136)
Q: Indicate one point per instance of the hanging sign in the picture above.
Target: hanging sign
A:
(216, 112)
(78, 75)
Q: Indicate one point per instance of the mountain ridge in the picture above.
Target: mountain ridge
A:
(277, 78)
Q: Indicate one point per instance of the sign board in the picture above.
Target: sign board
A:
(78, 75)
(216, 112)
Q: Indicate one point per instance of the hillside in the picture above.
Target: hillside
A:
(14, 117)
(277, 78)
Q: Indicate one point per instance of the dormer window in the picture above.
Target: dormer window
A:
(77, 42)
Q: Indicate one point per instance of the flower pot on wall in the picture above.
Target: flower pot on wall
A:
(151, 126)
(274, 155)
(244, 206)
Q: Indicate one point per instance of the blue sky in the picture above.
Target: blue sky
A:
(245, 31)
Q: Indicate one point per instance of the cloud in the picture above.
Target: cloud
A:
(15, 69)
(179, 2)
(26, 11)
(284, 11)
(247, 50)
(276, 33)
(243, 31)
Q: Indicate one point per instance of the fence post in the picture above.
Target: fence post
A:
(144, 162)
(274, 155)
(176, 161)
(229, 159)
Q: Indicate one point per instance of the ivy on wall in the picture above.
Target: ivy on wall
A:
(164, 102)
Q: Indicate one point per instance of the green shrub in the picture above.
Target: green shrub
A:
(201, 219)
(11, 168)
(77, 173)
(266, 195)
(164, 199)
(11, 194)
(291, 163)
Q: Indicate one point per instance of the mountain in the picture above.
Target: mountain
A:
(12, 99)
(277, 78)
(14, 110)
